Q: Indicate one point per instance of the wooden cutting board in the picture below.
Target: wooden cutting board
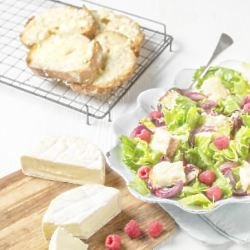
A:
(23, 201)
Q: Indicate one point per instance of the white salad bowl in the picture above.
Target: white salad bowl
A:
(125, 124)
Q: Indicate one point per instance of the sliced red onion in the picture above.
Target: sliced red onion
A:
(211, 112)
(200, 130)
(194, 96)
(191, 172)
(184, 160)
(159, 107)
(159, 122)
(208, 105)
(237, 123)
(150, 187)
(228, 165)
(229, 174)
(169, 192)
(189, 168)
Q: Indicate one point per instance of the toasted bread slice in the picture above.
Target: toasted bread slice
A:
(59, 20)
(109, 21)
(67, 58)
(120, 63)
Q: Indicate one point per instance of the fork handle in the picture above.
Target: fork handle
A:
(224, 42)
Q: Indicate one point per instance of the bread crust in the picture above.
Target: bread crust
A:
(94, 89)
(109, 21)
(101, 86)
(83, 76)
(89, 30)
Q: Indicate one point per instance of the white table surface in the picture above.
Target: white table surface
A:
(195, 25)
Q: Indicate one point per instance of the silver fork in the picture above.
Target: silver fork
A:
(185, 75)
(224, 42)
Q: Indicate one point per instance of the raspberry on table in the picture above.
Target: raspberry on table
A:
(113, 242)
(155, 229)
(132, 229)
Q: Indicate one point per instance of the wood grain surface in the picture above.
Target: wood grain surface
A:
(23, 201)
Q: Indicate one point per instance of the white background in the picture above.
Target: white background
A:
(195, 25)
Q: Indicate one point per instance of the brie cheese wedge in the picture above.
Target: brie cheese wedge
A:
(66, 159)
(82, 211)
(166, 174)
(62, 240)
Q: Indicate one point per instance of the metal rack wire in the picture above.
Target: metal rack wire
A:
(15, 73)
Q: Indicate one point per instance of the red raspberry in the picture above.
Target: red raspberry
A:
(145, 135)
(221, 142)
(132, 229)
(113, 242)
(155, 229)
(143, 172)
(246, 107)
(155, 114)
(142, 133)
(207, 177)
(214, 193)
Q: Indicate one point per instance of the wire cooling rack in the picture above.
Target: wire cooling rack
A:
(14, 71)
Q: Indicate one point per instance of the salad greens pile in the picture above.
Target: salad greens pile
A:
(204, 131)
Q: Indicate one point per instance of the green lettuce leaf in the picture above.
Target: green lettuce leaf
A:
(246, 120)
(242, 140)
(183, 102)
(147, 123)
(229, 154)
(201, 154)
(136, 153)
(180, 121)
(205, 155)
(182, 147)
(193, 118)
(194, 188)
(197, 200)
(223, 183)
(231, 79)
(139, 185)
(229, 105)
(236, 174)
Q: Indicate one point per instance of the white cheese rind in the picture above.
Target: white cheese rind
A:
(62, 240)
(82, 211)
(67, 159)
(166, 174)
